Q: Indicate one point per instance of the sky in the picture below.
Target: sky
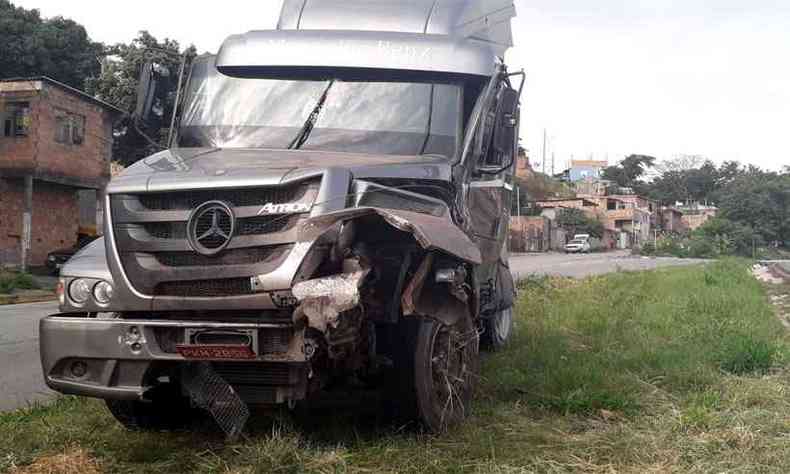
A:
(605, 78)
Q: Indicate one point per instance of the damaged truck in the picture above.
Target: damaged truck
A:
(332, 205)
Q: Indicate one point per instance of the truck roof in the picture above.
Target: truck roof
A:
(434, 36)
(484, 20)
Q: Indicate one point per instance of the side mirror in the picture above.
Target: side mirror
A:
(506, 121)
(152, 92)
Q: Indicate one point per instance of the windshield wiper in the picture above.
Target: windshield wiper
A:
(307, 128)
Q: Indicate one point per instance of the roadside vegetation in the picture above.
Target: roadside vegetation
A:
(716, 238)
(12, 281)
(675, 370)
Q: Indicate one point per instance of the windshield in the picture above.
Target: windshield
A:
(396, 118)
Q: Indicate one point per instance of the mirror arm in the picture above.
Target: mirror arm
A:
(523, 76)
(178, 98)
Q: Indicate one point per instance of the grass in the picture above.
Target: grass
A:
(10, 281)
(676, 370)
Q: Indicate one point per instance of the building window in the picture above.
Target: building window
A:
(16, 119)
(69, 128)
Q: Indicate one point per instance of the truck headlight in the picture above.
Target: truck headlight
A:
(102, 292)
(79, 291)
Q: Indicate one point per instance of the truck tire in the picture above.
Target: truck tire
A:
(446, 366)
(497, 330)
(160, 414)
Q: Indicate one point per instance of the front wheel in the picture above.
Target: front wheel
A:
(446, 366)
(167, 411)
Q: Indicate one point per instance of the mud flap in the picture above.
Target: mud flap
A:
(209, 391)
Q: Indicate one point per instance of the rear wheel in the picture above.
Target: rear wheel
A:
(497, 329)
(446, 365)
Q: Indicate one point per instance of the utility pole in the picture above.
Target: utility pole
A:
(544, 151)
(552, 163)
(518, 201)
(27, 221)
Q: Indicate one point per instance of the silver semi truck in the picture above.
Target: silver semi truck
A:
(333, 205)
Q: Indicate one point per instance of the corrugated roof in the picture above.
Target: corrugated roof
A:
(67, 88)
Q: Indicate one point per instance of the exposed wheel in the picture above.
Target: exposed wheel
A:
(166, 411)
(497, 330)
(446, 364)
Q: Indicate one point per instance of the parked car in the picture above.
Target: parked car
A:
(580, 244)
(57, 258)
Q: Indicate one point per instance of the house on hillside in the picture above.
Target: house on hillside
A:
(586, 170)
(55, 150)
(697, 214)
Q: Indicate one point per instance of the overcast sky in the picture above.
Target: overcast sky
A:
(606, 78)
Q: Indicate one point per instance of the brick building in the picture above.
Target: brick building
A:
(55, 149)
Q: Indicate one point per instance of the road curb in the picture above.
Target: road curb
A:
(22, 299)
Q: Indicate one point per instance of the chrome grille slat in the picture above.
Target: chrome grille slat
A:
(237, 197)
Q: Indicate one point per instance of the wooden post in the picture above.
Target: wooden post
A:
(27, 221)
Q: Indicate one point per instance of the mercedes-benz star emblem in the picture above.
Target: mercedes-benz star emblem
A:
(210, 227)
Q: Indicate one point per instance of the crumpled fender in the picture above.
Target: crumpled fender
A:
(431, 232)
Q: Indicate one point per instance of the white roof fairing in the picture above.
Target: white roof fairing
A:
(442, 36)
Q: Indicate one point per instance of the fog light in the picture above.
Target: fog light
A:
(60, 291)
(79, 369)
(79, 291)
(102, 292)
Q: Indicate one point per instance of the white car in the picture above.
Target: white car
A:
(580, 244)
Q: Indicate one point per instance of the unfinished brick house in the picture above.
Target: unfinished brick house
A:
(55, 150)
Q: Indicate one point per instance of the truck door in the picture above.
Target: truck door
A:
(490, 193)
(491, 183)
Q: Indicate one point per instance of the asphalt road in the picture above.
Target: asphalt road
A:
(581, 265)
(20, 370)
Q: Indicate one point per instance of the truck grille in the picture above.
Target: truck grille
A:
(150, 234)
(247, 226)
(205, 288)
(170, 201)
(230, 257)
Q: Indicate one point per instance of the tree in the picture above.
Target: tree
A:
(628, 173)
(117, 84)
(57, 47)
(575, 221)
(760, 200)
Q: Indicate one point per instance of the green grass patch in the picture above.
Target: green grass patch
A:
(676, 370)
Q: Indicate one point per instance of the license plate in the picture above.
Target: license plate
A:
(203, 351)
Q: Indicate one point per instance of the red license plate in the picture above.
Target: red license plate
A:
(203, 351)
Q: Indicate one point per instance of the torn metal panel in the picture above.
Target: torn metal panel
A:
(441, 301)
(415, 286)
(322, 300)
(431, 232)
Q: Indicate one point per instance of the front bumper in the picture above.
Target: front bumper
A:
(113, 358)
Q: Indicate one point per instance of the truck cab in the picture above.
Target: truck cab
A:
(333, 204)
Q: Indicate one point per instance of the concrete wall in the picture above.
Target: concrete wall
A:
(53, 224)
(530, 234)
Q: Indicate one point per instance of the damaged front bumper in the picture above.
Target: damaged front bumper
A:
(124, 358)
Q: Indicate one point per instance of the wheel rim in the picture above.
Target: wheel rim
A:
(453, 371)
(503, 323)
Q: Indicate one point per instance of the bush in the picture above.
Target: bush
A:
(726, 237)
(16, 281)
